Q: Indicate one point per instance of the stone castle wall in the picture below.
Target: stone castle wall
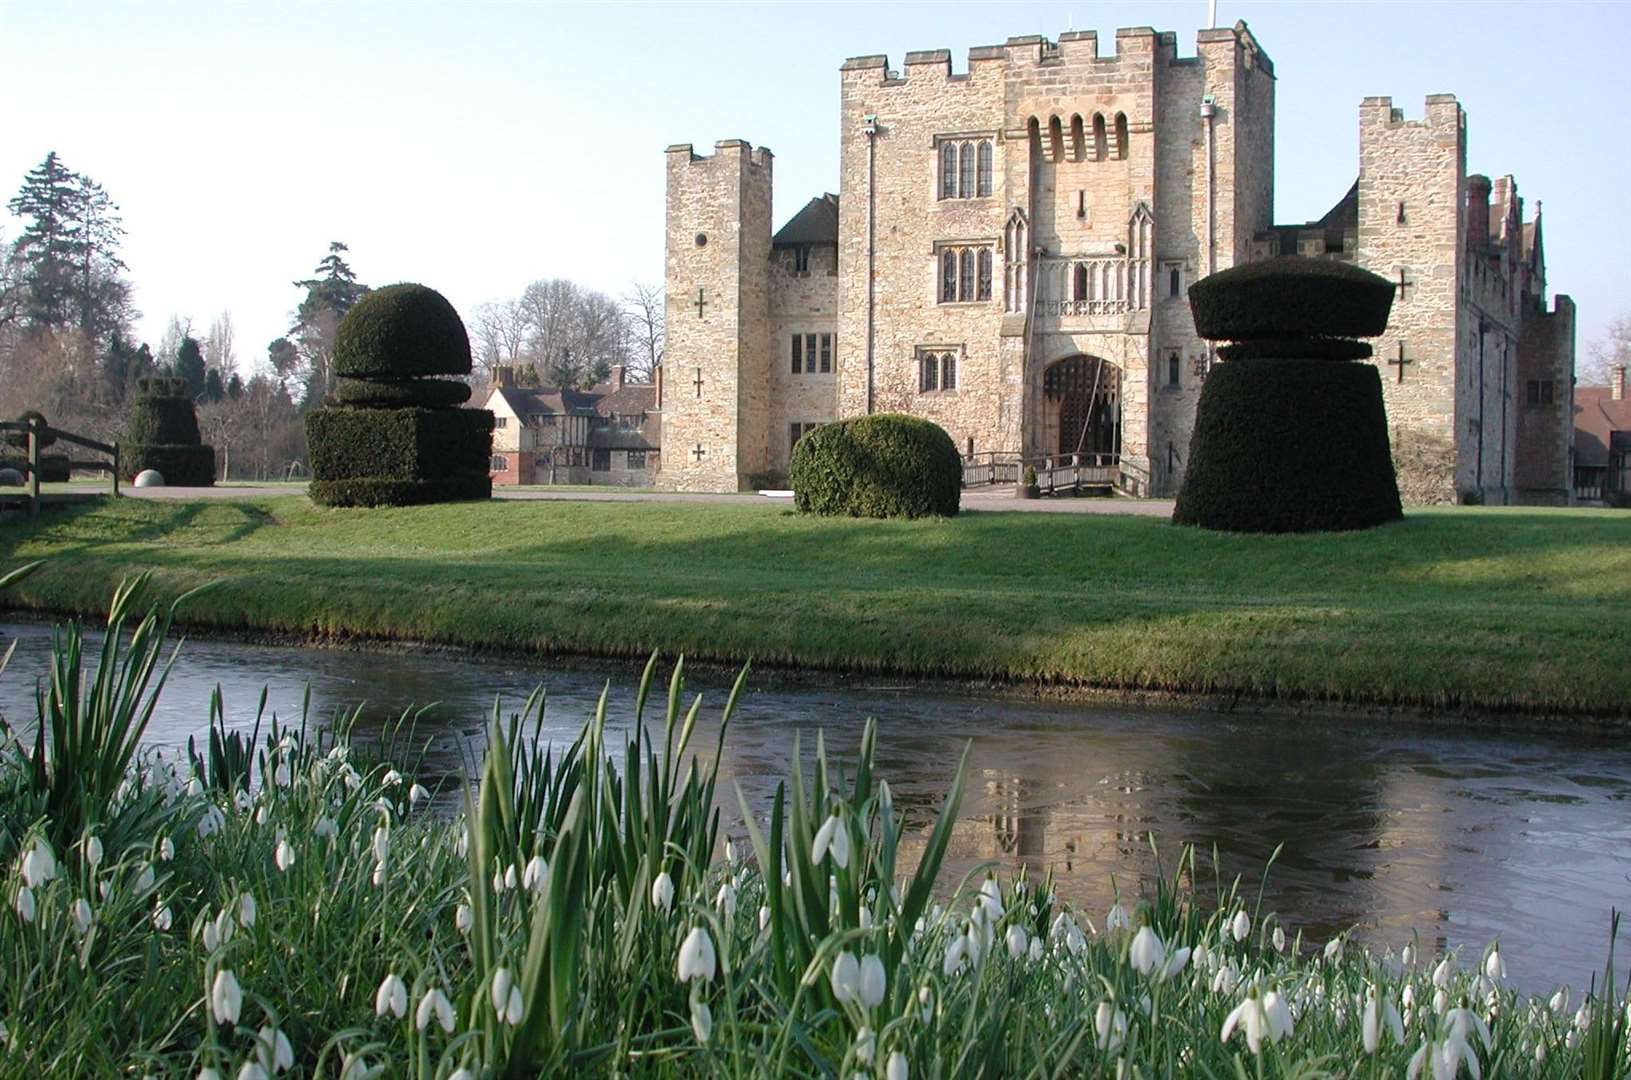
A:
(800, 303)
(1546, 434)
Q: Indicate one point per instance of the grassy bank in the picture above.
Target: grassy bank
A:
(1498, 609)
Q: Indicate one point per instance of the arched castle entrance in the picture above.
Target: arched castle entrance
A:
(1081, 408)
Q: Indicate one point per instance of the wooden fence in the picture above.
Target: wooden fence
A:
(39, 434)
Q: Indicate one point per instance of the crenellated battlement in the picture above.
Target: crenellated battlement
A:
(1441, 110)
(738, 152)
(1137, 45)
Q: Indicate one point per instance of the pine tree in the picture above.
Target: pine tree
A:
(214, 389)
(328, 297)
(190, 366)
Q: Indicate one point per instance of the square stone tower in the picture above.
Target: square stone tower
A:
(716, 390)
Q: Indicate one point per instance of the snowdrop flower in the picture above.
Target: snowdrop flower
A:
(1279, 939)
(1036, 949)
(211, 936)
(1494, 966)
(167, 850)
(25, 903)
(1376, 1014)
(697, 959)
(252, 1071)
(145, 879)
(702, 1019)
(1110, 1027)
(263, 814)
(662, 892)
(1445, 1058)
(507, 998)
(1442, 973)
(39, 865)
(208, 1073)
(1116, 919)
(226, 998)
(462, 1074)
(725, 900)
(382, 842)
(1441, 1001)
(873, 981)
(463, 918)
(1226, 979)
(730, 853)
(831, 838)
(1464, 1023)
(865, 917)
(325, 829)
(392, 997)
(355, 1067)
(897, 1068)
(1560, 1002)
(866, 1046)
(82, 915)
(283, 857)
(212, 822)
(280, 774)
(956, 953)
(391, 778)
(536, 874)
(379, 874)
(434, 1002)
(925, 1001)
(275, 1052)
(93, 851)
(1240, 925)
(246, 910)
(764, 917)
(242, 802)
(1016, 941)
(162, 919)
(991, 899)
(1407, 955)
(845, 977)
(417, 794)
(1146, 952)
(1268, 1015)
(1333, 951)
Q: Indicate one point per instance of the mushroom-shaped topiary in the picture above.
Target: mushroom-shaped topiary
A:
(392, 435)
(884, 465)
(1290, 435)
(53, 467)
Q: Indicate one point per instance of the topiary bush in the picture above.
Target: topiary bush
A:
(882, 466)
(161, 433)
(1289, 446)
(19, 439)
(390, 435)
(401, 332)
(1290, 434)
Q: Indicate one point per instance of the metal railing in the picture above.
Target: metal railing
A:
(39, 433)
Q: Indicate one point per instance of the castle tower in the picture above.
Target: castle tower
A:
(717, 319)
(1412, 190)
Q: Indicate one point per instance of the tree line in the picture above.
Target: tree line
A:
(67, 346)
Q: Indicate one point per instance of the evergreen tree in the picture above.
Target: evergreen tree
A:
(235, 387)
(214, 390)
(68, 268)
(122, 365)
(329, 295)
(189, 365)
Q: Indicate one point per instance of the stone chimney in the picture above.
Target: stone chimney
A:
(504, 378)
(658, 376)
(619, 372)
(1478, 212)
(1616, 383)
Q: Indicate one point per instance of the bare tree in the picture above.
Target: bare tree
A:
(501, 335)
(1608, 352)
(220, 352)
(644, 306)
(179, 329)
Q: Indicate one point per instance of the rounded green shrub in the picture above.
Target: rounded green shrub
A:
(399, 332)
(1289, 446)
(882, 466)
(401, 393)
(1291, 296)
(19, 439)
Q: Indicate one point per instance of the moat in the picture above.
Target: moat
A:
(1460, 834)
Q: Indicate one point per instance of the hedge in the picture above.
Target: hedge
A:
(1289, 446)
(376, 492)
(181, 466)
(885, 465)
(401, 331)
(162, 421)
(400, 393)
(1291, 296)
(53, 467)
(1296, 348)
(19, 439)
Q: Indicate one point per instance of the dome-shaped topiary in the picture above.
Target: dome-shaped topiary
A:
(401, 332)
(885, 465)
(1291, 296)
(19, 439)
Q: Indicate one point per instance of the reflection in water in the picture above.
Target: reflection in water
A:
(1457, 834)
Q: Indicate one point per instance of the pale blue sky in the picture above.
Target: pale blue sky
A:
(479, 146)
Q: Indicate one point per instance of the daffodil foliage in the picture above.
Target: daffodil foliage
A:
(304, 904)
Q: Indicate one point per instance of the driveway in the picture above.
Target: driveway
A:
(975, 501)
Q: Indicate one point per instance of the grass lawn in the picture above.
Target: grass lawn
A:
(1492, 608)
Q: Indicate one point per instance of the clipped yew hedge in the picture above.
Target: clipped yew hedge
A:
(181, 466)
(1289, 446)
(378, 457)
(1291, 296)
(401, 331)
(161, 433)
(881, 466)
(395, 394)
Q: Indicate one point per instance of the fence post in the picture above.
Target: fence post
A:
(33, 467)
(115, 470)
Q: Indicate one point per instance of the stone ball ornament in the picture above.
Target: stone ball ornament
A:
(149, 478)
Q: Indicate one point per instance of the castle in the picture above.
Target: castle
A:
(1009, 255)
